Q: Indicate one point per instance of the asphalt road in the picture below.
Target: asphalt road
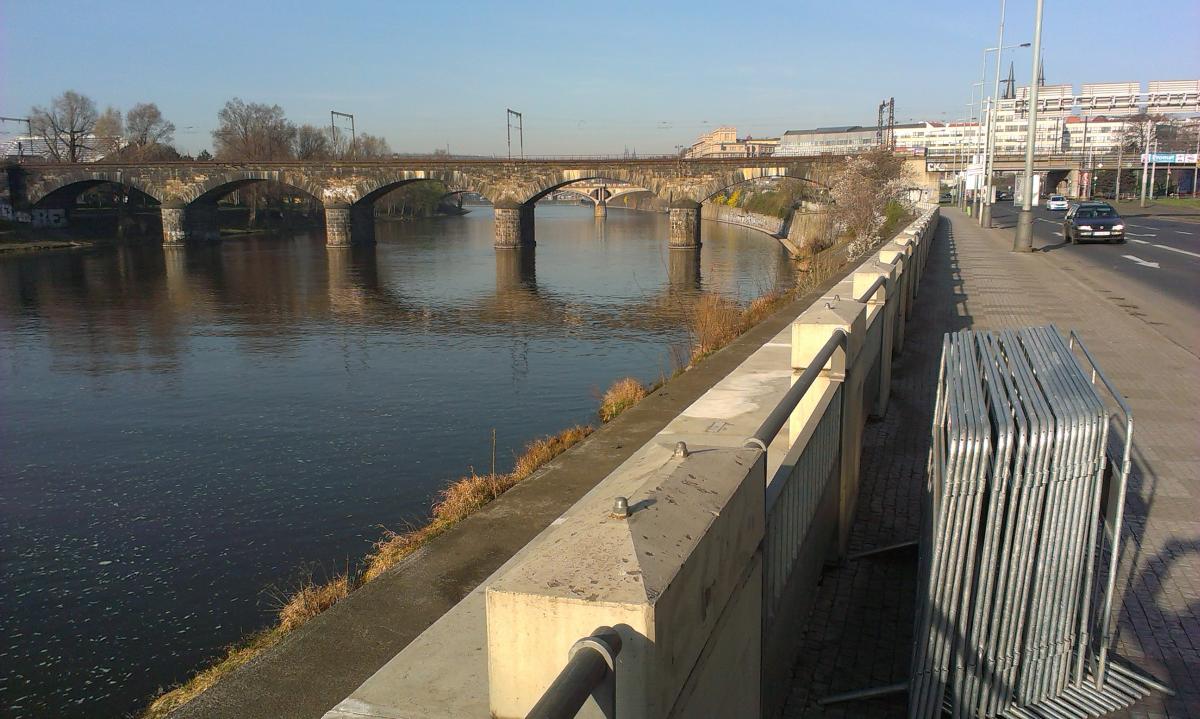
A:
(1154, 276)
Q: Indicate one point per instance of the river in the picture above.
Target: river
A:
(187, 433)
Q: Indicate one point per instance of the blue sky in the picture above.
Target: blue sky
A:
(595, 77)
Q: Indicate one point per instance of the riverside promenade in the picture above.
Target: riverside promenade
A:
(859, 631)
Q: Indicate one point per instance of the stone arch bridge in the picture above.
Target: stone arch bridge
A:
(187, 192)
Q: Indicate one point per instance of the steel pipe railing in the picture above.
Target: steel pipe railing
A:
(783, 411)
(590, 671)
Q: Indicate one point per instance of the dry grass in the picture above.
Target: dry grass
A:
(466, 496)
(715, 322)
(540, 451)
(763, 307)
(235, 657)
(456, 502)
(312, 599)
(623, 394)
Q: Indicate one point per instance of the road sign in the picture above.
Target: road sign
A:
(1170, 158)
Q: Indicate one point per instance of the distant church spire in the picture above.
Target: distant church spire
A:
(1041, 72)
(1010, 89)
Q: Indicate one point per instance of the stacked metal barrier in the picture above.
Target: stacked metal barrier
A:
(1009, 619)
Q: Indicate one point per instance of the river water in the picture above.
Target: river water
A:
(187, 433)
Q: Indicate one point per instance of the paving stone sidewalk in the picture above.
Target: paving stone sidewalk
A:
(859, 634)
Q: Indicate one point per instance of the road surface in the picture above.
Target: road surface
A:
(1154, 275)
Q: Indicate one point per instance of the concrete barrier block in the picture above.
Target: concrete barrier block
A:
(663, 578)
(813, 327)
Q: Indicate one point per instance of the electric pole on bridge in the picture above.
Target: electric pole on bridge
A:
(333, 114)
(520, 124)
(28, 131)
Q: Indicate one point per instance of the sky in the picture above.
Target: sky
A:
(590, 78)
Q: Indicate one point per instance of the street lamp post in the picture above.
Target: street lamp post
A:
(985, 215)
(1196, 169)
(987, 141)
(1146, 161)
(1023, 240)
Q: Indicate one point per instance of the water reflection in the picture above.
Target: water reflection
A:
(683, 272)
(181, 428)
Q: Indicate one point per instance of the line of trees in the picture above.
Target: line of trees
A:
(257, 131)
(73, 130)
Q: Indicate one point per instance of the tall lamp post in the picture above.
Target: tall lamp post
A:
(989, 162)
(985, 212)
(1023, 241)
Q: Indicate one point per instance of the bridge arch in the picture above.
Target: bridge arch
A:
(563, 179)
(212, 188)
(368, 191)
(720, 184)
(64, 190)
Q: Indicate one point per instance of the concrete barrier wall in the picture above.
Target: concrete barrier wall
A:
(708, 579)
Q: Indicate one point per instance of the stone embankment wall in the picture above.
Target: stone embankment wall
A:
(708, 578)
(745, 218)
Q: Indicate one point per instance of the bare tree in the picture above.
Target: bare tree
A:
(371, 146)
(66, 126)
(107, 132)
(861, 191)
(313, 143)
(145, 126)
(253, 131)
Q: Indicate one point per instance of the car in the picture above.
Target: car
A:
(1056, 202)
(945, 197)
(1093, 221)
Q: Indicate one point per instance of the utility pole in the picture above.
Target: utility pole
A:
(1145, 161)
(1023, 241)
(353, 139)
(520, 124)
(1153, 167)
(1196, 169)
(28, 132)
(985, 217)
(1120, 157)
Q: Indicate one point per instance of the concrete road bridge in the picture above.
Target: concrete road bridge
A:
(188, 192)
(600, 192)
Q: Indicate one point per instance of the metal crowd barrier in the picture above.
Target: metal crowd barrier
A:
(1005, 621)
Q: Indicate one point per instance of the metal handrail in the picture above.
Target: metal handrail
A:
(869, 294)
(783, 411)
(591, 661)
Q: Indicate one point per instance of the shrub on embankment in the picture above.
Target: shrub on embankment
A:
(715, 322)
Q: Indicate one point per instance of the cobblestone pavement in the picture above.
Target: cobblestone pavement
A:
(859, 634)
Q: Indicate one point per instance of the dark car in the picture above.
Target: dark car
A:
(1093, 221)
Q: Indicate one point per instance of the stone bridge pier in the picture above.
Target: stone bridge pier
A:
(347, 224)
(513, 224)
(685, 225)
(197, 222)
